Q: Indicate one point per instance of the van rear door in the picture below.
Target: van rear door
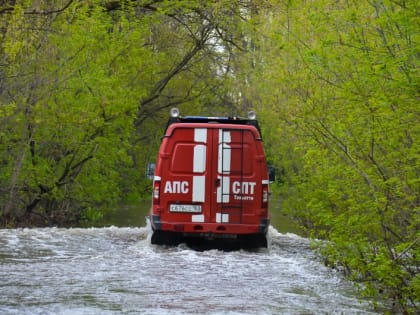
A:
(213, 173)
(237, 174)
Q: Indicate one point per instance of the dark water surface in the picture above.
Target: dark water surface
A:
(135, 216)
(115, 270)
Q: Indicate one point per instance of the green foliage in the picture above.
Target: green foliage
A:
(85, 89)
(346, 94)
(72, 110)
(91, 216)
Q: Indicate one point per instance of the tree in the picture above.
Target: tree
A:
(84, 85)
(346, 92)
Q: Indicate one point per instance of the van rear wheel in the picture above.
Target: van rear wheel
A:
(252, 241)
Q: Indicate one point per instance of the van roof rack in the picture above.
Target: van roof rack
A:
(251, 120)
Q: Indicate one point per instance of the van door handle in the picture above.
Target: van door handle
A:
(217, 182)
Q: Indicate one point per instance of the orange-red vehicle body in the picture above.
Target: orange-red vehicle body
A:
(210, 181)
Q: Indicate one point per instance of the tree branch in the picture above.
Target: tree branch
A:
(36, 12)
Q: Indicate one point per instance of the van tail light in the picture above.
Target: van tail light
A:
(156, 192)
(264, 196)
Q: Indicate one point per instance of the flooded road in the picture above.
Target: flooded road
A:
(116, 271)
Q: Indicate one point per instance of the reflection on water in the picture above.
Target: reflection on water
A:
(134, 215)
(116, 271)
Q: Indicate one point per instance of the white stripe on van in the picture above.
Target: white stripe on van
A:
(222, 217)
(225, 184)
(200, 135)
(197, 218)
(223, 163)
(199, 163)
(223, 166)
(199, 188)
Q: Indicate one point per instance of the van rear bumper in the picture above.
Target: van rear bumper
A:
(211, 229)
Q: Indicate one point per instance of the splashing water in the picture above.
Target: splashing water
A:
(117, 271)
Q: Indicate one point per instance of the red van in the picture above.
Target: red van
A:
(210, 184)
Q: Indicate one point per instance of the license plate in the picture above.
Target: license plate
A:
(185, 208)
